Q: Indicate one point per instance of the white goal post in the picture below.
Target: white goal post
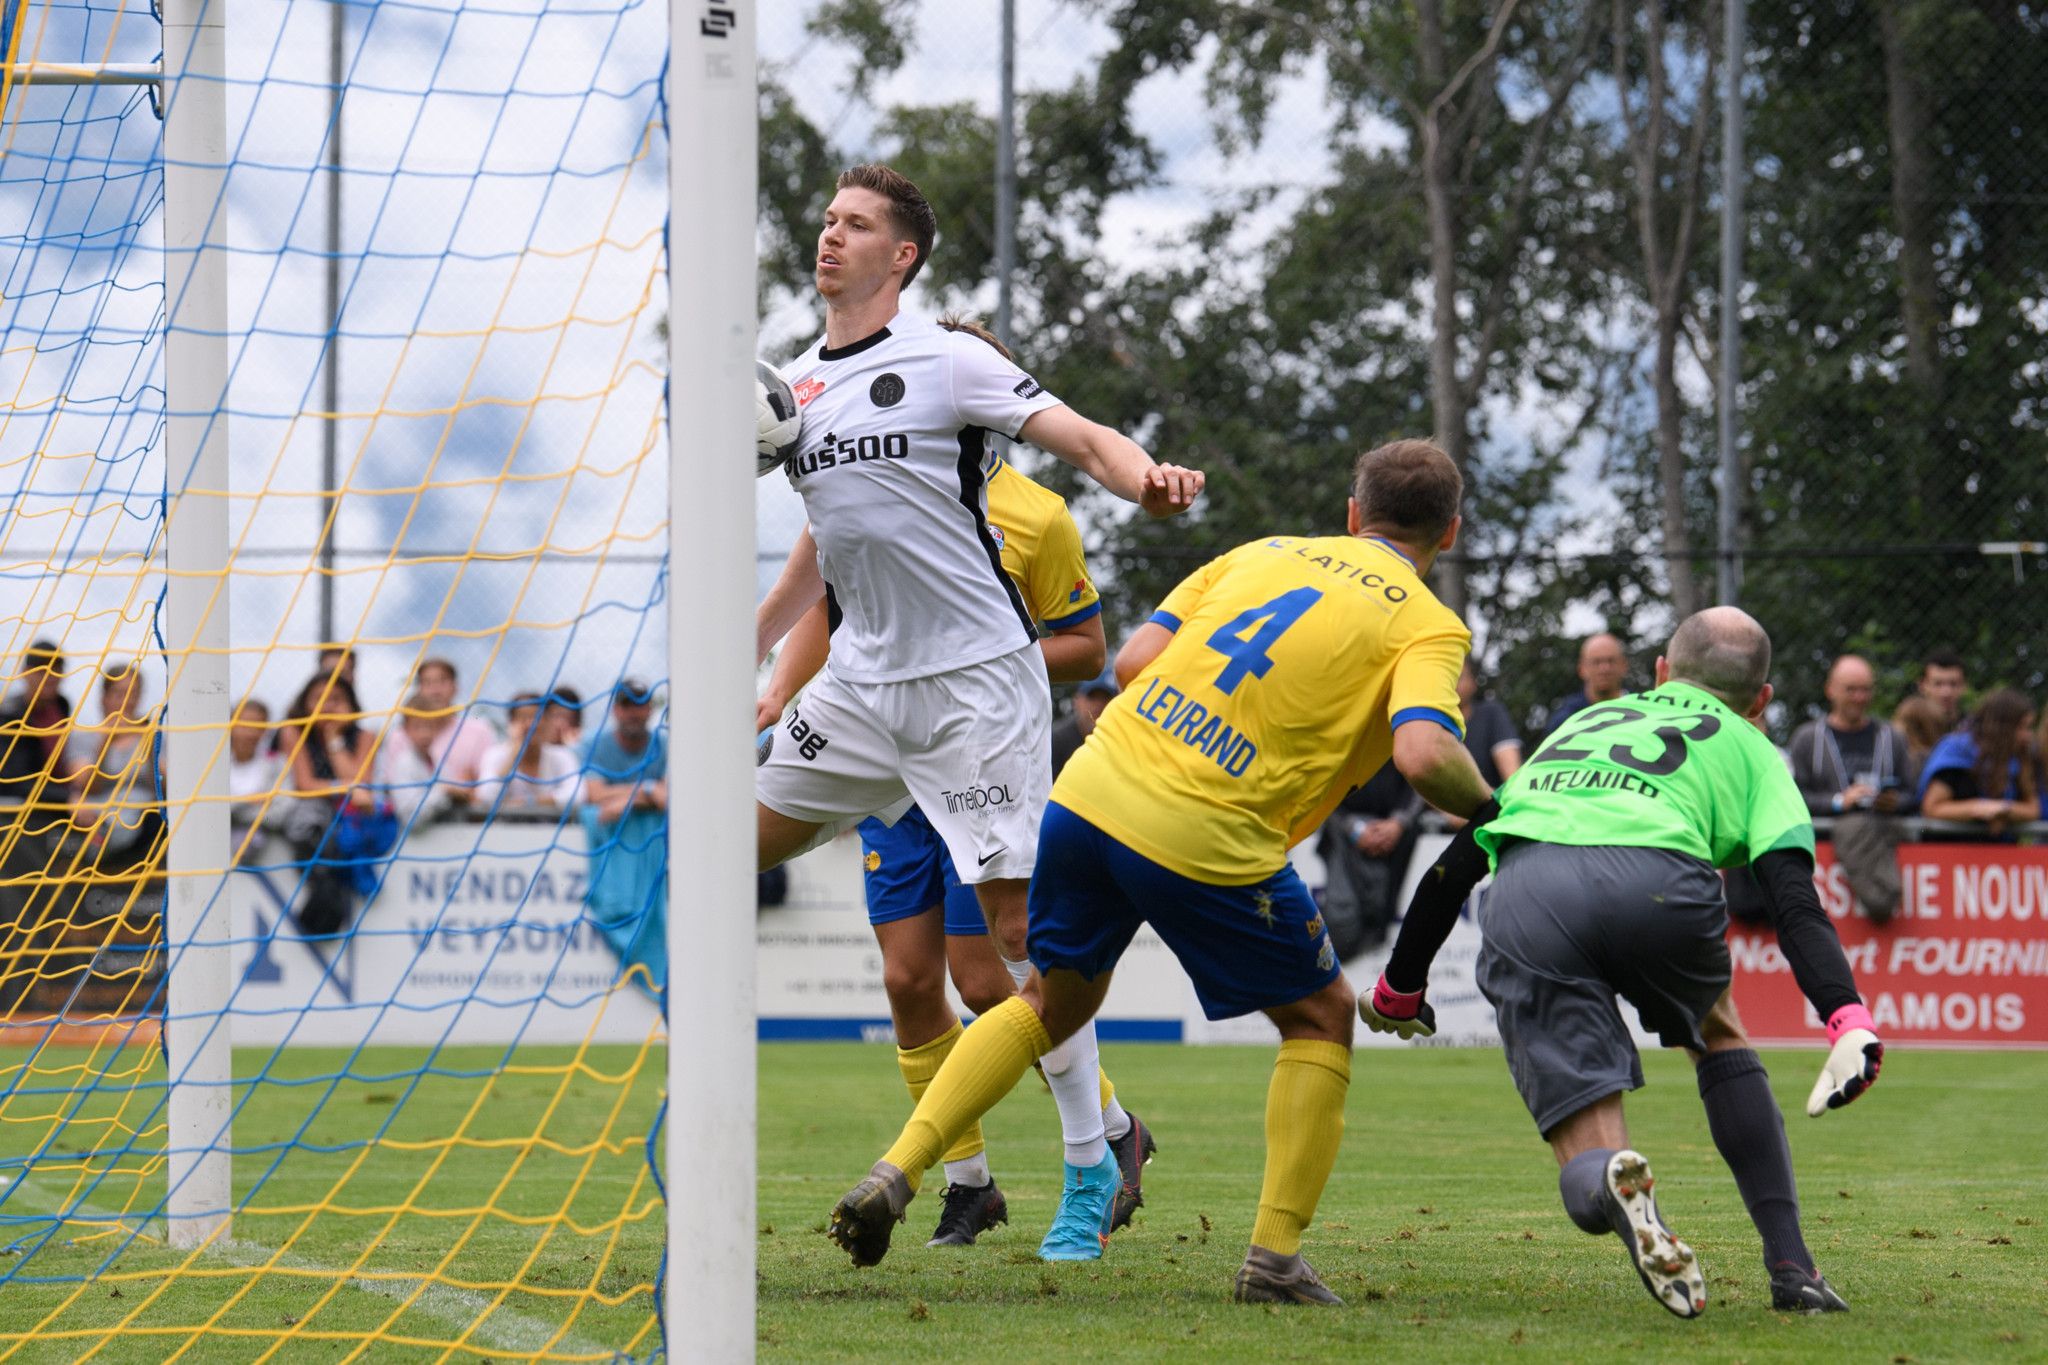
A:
(712, 121)
(197, 929)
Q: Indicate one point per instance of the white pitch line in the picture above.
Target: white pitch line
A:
(505, 1329)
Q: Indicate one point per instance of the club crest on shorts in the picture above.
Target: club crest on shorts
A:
(887, 390)
(873, 862)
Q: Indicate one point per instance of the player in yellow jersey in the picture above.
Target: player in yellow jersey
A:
(1266, 685)
(926, 922)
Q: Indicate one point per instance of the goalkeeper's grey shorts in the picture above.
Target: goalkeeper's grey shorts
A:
(1567, 930)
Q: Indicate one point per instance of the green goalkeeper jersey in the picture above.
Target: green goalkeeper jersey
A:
(1673, 768)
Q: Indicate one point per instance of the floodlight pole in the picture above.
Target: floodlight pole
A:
(712, 137)
(197, 926)
(1734, 174)
(330, 431)
(1006, 176)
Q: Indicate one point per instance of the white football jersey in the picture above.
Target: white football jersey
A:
(890, 468)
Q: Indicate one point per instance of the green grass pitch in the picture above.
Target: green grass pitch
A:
(1926, 1202)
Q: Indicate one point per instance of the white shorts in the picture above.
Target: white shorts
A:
(972, 747)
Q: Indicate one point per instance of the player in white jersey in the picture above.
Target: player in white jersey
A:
(936, 689)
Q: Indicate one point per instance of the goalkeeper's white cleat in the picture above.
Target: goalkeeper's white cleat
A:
(1668, 1268)
(1850, 1070)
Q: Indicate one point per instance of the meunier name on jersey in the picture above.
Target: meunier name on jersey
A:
(1293, 659)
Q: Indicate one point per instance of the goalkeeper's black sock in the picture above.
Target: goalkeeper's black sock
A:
(1743, 1116)
(1583, 1183)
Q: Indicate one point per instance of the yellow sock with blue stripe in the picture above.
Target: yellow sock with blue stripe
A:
(1304, 1125)
(919, 1065)
(985, 1064)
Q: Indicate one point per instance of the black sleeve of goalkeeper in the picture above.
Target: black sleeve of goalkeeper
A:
(1807, 939)
(1434, 909)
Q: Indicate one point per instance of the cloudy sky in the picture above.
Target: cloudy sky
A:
(500, 372)
(500, 377)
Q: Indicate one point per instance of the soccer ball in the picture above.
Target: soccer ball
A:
(778, 419)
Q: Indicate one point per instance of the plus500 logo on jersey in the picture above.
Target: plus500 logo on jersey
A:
(835, 451)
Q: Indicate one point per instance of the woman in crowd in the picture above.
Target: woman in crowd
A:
(254, 773)
(527, 770)
(1922, 723)
(412, 763)
(115, 767)
(340, 824)
(1984, 771)
(2041, 766)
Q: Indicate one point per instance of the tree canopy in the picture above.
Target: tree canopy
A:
(1515, 248)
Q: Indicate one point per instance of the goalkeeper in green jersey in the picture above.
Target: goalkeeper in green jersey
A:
(1604, 849)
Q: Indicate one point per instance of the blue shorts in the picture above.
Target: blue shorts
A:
(908, 871)
(1246, 948)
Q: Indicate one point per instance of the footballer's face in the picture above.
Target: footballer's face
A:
(858, 249)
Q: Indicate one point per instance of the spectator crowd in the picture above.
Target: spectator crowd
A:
(321, 795)
(1977, 771)
(327, 790)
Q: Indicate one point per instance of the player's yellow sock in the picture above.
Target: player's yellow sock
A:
(1304, 1124)
(986, 1063)
(919, 1065)
(1108, 1090)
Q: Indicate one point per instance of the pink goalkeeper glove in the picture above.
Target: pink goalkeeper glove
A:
(1853, 1060)
(1386, 1010)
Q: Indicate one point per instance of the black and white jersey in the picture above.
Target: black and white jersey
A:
(890, 468)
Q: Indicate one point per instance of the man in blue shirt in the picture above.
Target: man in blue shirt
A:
(1603, 670)
(625, 814)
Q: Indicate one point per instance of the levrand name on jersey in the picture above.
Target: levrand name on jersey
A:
(835, 450)
(1196, 726)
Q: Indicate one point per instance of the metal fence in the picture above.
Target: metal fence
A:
(1261, 238)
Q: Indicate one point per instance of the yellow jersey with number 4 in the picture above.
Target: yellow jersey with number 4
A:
(1292, 661)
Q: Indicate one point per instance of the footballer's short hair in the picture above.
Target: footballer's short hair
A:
(1722, 650)
(1409, 487)
(910, 210)
(974, 327)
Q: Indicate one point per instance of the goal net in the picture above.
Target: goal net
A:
(379, 747)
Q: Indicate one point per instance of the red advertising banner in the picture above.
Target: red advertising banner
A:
(1964, 963)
